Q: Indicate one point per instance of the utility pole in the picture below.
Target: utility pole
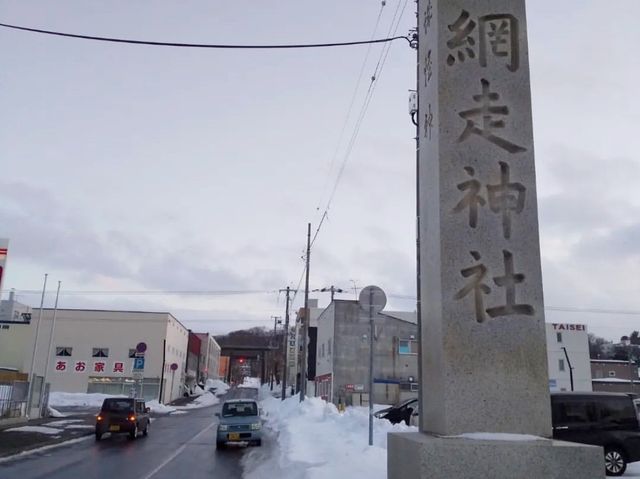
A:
(285, 363)
(305, 320)
(570, 367)
(49, 349)
(276, 320)
(35, 347)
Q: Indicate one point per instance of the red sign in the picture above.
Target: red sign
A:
(118, 367)
(80, 367)
(98, 366)
(61, 366)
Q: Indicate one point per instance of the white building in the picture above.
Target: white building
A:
(94, 351)
(209, 357)
(573, 339)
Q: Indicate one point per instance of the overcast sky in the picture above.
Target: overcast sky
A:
(141, 168)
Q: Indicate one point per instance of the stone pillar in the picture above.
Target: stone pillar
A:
(484, 362)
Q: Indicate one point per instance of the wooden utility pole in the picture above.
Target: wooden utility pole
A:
(285, 342)
(305, 320)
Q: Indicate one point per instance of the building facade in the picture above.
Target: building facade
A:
(209, 367)
(342, 366)
(567, 356)
(94, 351)
(612, 375)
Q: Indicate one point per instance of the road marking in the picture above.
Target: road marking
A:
(178, 451)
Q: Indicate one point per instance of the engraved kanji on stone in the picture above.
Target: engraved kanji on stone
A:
(502, 34)
(483, 120)
(477, 273)
(428, 15)
(472, 199)
(509, 282)
(428, 68)
(428, 123)
(462, 42)
(506, 198)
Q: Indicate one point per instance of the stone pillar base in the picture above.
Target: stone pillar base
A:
(421, 456)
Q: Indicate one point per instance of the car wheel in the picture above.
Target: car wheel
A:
(134, 433)
(220, 445)
(615, 462)
(98, 436)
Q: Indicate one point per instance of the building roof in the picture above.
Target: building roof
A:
(407, 316)
(34, 310)
(612, 380)
(615, 361)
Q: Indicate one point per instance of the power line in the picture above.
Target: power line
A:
(202, 45)
(363, 111)
(147, 292)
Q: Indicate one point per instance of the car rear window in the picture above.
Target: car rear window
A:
(117, 405)
(236, 409)
(618, 410)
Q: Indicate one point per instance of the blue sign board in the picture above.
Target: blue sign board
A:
(138, 364)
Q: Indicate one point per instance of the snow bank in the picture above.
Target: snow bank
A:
(40, 429)
(315, 441)
(78, 399)
(158, 408)
(205, 400)
(55, 413)
(220, 386)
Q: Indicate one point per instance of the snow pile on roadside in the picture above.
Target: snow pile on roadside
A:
(251, 383)
(220, 386)
(206, 400)
(197, 391)
(55, 413)
(158, 408)
(58, 399)
(315, 441)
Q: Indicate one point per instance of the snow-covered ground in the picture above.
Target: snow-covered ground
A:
(315, 441)
(204, 400)
(312, 440)
(40, 429)
(60, 399)
(250, 383)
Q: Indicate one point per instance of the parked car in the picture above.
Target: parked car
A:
(123, 415)
(239, 423)
(600, 419)
(400, 412)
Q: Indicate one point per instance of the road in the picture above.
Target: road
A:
(178, 446)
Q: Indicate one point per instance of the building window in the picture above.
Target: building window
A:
(329, 347)
(100, 353)
(5, 326)
(63, 351)
(559, 337)
(612, 374)
(561, 364)
(407, 346)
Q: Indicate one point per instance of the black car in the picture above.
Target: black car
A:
(399, 413)
(600, 419)
(123, 415)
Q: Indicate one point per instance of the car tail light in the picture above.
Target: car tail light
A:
(132, 418)
(99, 418)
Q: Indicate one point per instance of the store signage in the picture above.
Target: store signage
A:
(96, 367)
(138, 364)
(569, 327)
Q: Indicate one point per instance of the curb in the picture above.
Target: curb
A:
(38, 449)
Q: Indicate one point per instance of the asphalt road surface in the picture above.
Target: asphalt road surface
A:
(177, 447)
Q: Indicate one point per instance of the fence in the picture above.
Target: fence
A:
(13, 399)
